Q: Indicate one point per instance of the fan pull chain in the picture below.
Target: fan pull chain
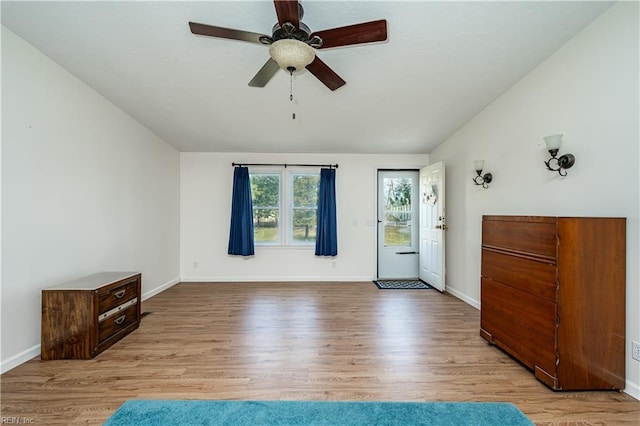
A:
(291, 70)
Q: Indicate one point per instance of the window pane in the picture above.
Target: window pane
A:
(397, 233)
(304, 225)
(397, 192)
(265, 196)
(305, 190)
(303, 208)
(265, 190)
(397, 212)
(266, 228)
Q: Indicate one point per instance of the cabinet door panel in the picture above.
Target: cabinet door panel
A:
(532, 276)
(520, 323)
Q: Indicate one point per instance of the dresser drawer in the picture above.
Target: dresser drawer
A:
(520, 323)
(535, 277)
(117, 296)
(116, 323)
(515, 233)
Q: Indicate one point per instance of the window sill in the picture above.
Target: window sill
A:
(284, 247)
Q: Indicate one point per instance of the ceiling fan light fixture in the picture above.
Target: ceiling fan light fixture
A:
(291, 53)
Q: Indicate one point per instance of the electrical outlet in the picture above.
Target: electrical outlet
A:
(635, 350)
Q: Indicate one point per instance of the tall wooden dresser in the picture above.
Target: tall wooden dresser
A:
(553, 296)
(82, 318)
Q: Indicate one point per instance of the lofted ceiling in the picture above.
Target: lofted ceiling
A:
(442, 64)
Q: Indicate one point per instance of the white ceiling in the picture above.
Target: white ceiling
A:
(442, 64)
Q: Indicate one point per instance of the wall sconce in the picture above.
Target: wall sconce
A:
(563, 162)
(480, 179)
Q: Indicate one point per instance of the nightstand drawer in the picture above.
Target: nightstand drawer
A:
(117, 296)
(115, 323)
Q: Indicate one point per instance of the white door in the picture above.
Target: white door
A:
(398, 224)
(432, 225)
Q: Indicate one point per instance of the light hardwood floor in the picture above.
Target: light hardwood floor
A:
(298, 341)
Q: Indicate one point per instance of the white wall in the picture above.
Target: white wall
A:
(205, 186)
(589, 91)
(85, 188)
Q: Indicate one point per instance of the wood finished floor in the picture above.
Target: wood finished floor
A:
(298, 341)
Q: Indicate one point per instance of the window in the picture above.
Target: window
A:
(297, 208)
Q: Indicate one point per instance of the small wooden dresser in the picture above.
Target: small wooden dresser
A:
(553, 296)
(84, 317)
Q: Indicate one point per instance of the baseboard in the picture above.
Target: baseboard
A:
(160, 288)
(34, 351)
(632, 389)
(323, 278)
(20, 358)
(463, 297)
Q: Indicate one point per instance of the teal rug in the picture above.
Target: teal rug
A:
(195, 412)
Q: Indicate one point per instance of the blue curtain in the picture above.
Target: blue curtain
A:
(241, 231)
(327, 232)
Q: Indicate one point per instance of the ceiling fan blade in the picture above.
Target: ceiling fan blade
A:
(287, 11)
(266, 73)
(326, 75)
(211, 31)
(365, 32)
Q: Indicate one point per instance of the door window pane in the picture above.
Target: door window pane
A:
(397, 212)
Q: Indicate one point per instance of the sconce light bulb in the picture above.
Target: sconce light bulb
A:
(478, 165)
(553, 142)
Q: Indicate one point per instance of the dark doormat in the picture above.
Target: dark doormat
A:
(401, 285)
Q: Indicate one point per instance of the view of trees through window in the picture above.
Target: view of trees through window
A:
(299, 214)
(305, 207)
(397, 211)
(265, 196)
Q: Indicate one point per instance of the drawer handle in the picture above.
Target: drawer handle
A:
(120, 294)
(119, 320)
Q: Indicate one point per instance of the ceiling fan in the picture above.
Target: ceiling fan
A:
(292, 44)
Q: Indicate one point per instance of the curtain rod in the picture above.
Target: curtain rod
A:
(331, 166)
